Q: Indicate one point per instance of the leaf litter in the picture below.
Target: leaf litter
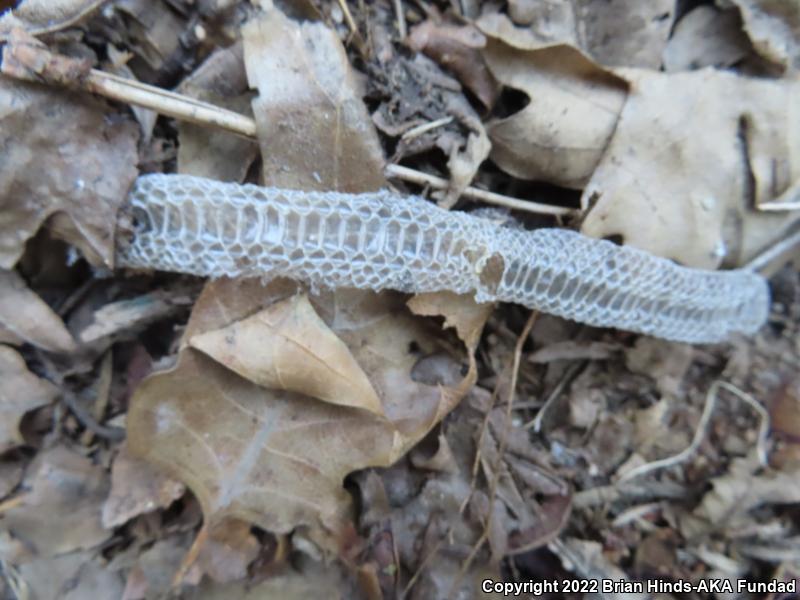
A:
(312, 441)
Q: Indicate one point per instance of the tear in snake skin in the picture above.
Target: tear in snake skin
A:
(382, 240)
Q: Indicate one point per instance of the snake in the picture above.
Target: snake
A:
(385, 240)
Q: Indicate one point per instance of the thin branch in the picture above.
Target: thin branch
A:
(501, 450)
(420, 129)
(538, 421)
(401, 19)
(763, 260)
(168, 103)
(699, 434)
(110, 433)
(788, 200)
(439, 183)
(20, 61)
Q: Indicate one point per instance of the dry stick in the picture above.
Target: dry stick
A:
(351, 24)
(572, 371)
(763, 260)
(711, 400)
(188, 109)
(84, 417)
(500, 450)
(474, 193)
(476, 465)
(401, 19)
(425, 127)
(168, 103)
(788, 200)
(103, 394)
(190, 557)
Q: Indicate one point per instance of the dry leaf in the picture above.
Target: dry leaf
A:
(154, 29)
(128, 314)
(574, 105)
(136, 488)
(155, 568)
(706, 37)
(665, 362)
(587, 558)
(64, 155)
(305, 356)
(28, 318)
(206, 152)
(273, 457)
(61, 510)
(456, 47)
(73, 576)
(542, 32)
(10, 475)
(550, 21)
(315, 581)
(314, 129)
(20, 391)
(741, 490)
(46, 16)
(784, 412)
(628, 33)
(774, 29)
(460, 312)
(676, 178)
(464, 162)
(620, 33)
(228, 549)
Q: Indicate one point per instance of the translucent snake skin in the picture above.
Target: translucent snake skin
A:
(383, 240)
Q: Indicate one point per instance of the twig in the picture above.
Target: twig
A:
(185, 108)
(12, 502)
(537, 422)
(635, 513)
(705, 418)
(191, 556)
(526, 330)
(351, 24)
(401, 19)
(605, 495)
(438, 183)
(788, 200)
(420, 129)
(28, 59)
(103, 394)
(763, 260)
(168, 103)
(113, 434)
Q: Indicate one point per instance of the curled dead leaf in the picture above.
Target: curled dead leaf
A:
(65, 154)
(61, 511)
(774, 29)
(314, 129)
(687, 195)
(46, 16)
(627, 33)
(20, 391)
(28, 318)
(205, 152)
(136, 488)
(706, 37)
(228, 549)
(556, 26)
(560, 136)
(274, 457)
(305, 356)
(457, 48)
